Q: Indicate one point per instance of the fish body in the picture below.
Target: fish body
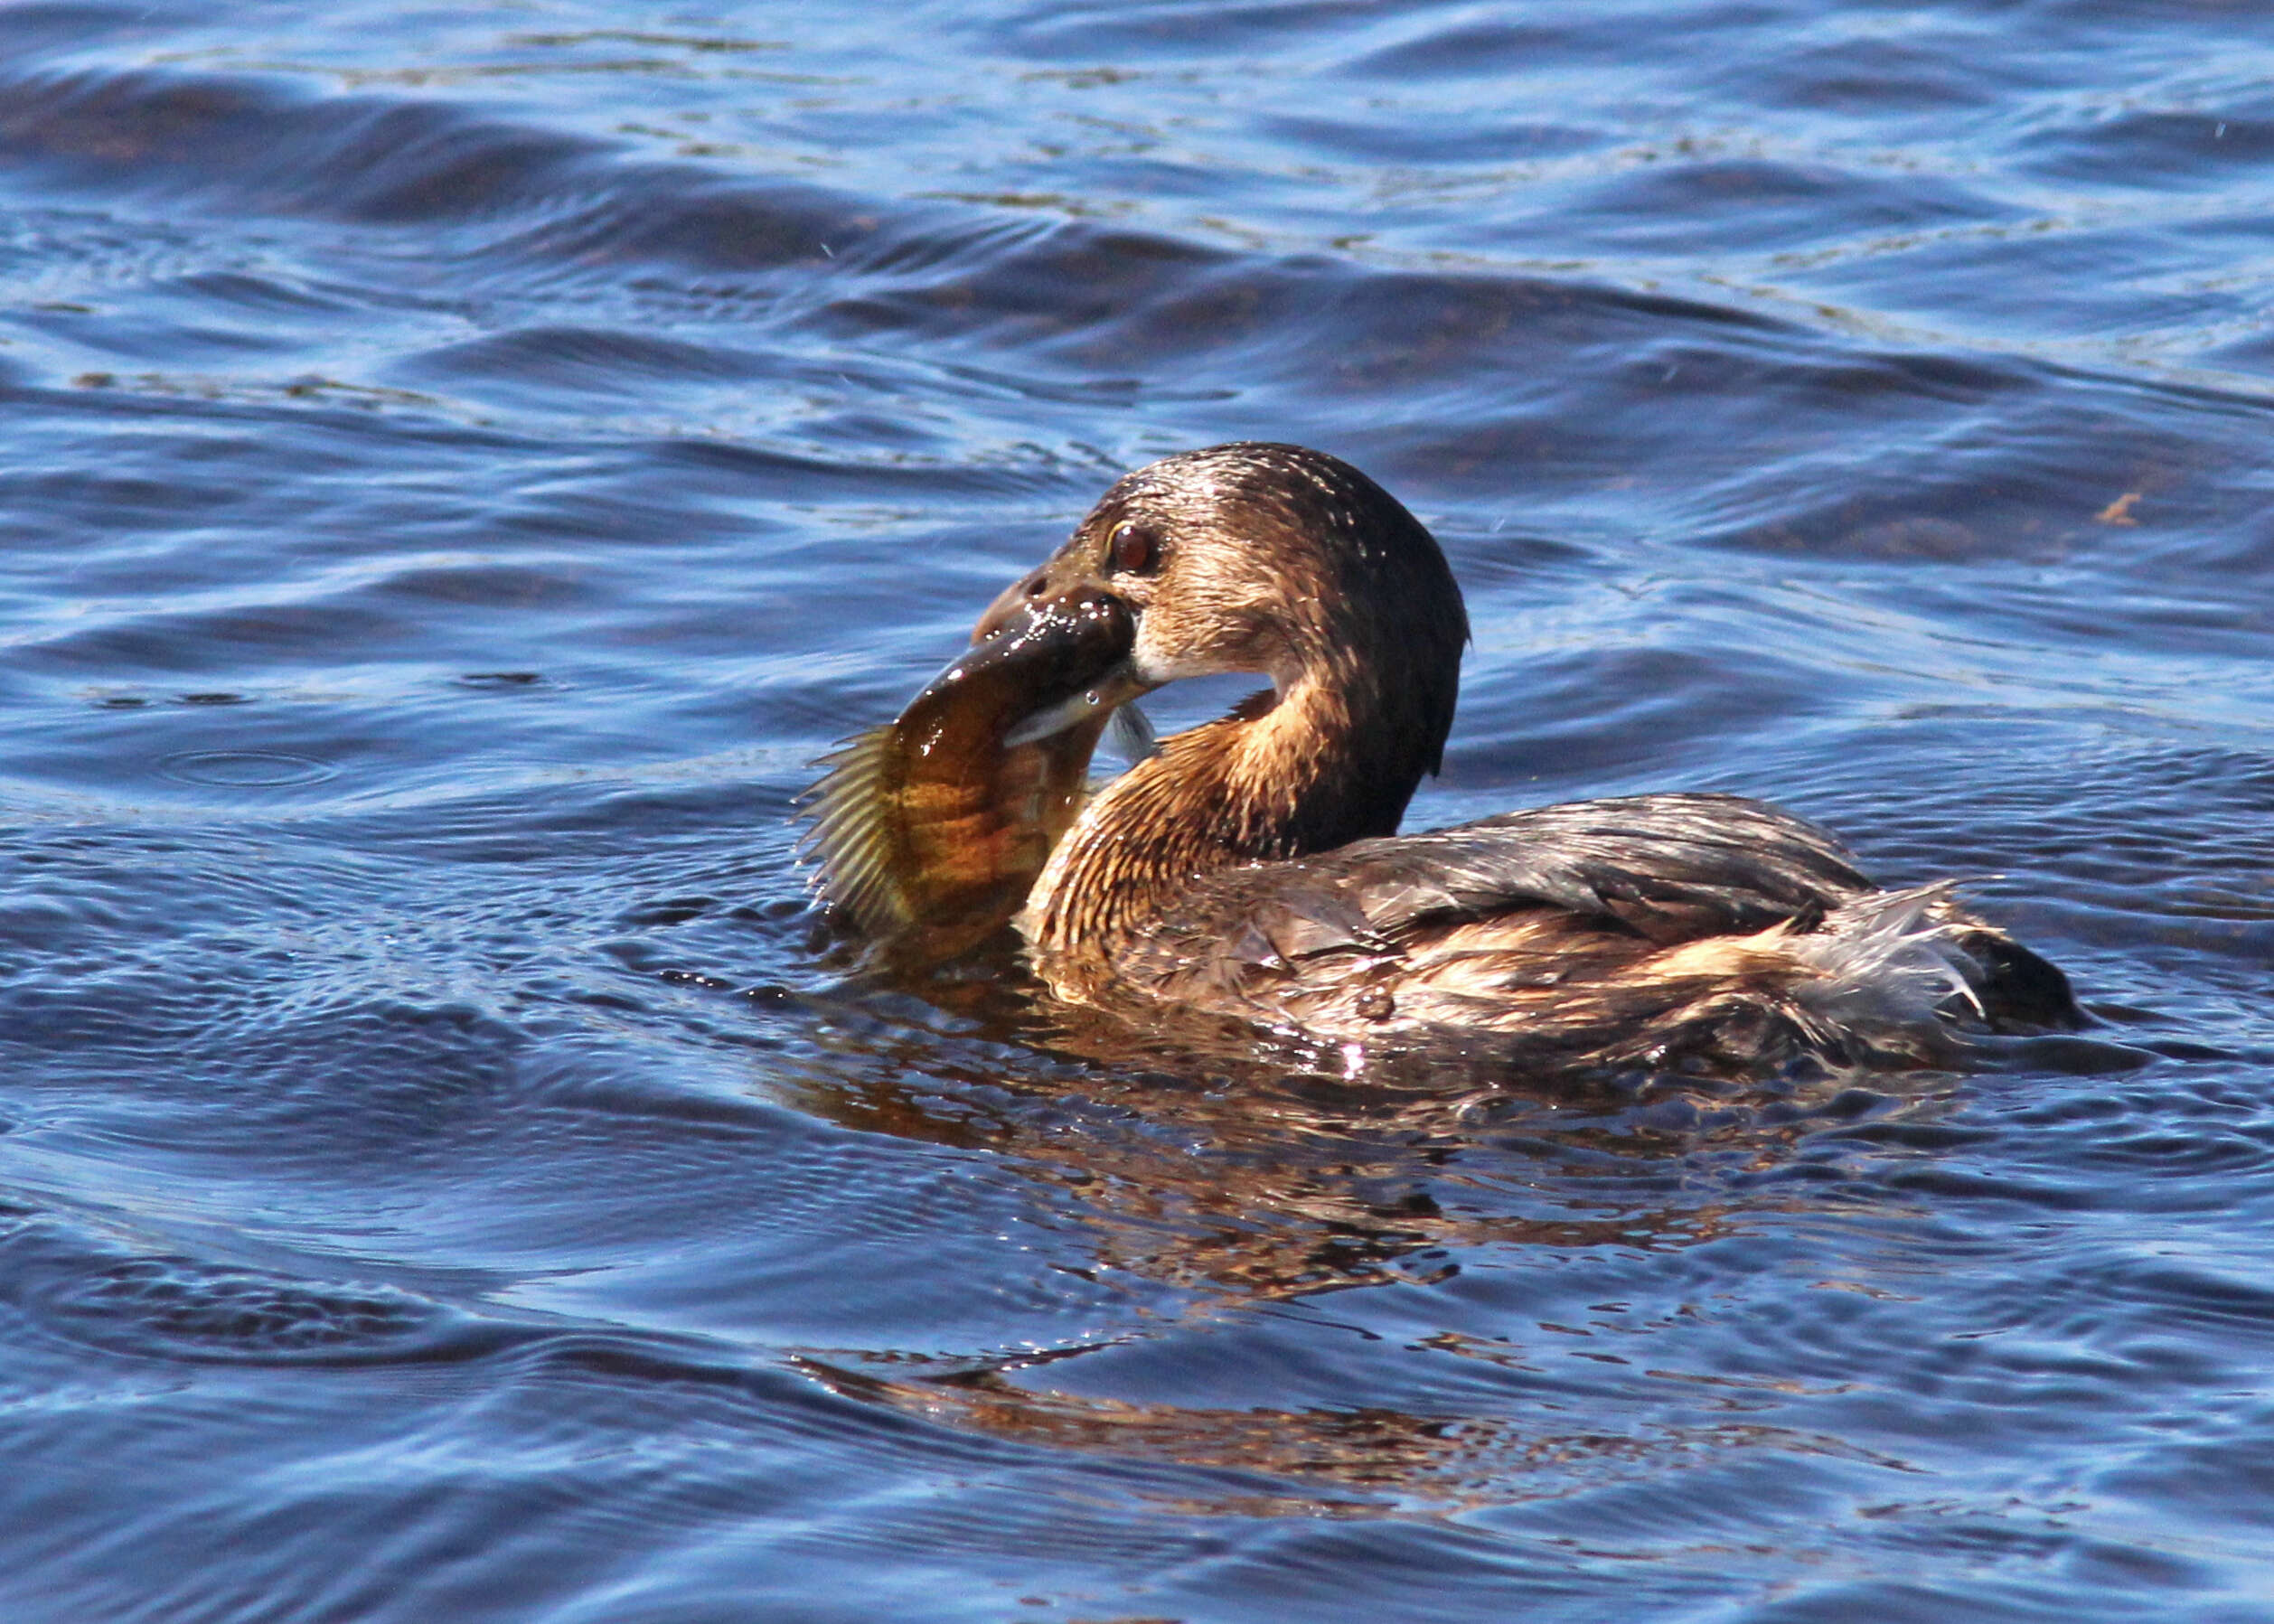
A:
(928, 833)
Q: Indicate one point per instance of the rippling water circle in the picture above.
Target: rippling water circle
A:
(244, 769)
(460, 467)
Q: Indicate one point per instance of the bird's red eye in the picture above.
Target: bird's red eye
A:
(1134, 549)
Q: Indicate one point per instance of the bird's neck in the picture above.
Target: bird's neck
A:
(1283, 776)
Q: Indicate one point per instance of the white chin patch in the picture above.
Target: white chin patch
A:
(1157, 669)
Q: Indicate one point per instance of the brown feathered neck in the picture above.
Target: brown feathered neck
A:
(1307, 559)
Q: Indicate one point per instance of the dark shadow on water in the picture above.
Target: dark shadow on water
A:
(1240, 1181)
(1265, 1170)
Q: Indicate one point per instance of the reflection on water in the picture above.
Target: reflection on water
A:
(458, 469)
(1253, 1186)
(1243, 1184)
(1346, 1463)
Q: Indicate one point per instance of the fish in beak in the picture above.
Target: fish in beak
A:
(929, 833)
(1129, 733)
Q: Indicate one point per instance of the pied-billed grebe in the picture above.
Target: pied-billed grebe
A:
(1251, 866)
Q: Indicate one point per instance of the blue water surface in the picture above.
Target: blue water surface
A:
(459, 464)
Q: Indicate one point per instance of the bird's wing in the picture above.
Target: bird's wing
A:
(1668, 868)
(1663, 869)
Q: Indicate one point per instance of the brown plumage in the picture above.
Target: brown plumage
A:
(1251, 866)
